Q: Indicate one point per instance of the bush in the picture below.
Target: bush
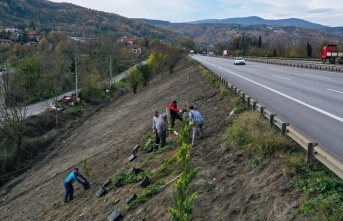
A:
(251, 132)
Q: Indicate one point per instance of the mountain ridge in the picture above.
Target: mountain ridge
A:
(251, 20)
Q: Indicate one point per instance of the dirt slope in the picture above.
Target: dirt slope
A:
(228, 188)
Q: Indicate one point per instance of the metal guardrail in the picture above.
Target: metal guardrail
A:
(297, 63)
(313, 149)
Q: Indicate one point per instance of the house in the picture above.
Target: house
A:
(122, 39)
(5, 41)
(33, 36)
(32, 43)
(130, 41)
(137, 51)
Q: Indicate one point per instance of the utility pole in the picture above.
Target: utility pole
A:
(111, 69)
(76, 89)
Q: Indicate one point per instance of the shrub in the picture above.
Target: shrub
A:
(149, 191)
(86, 167)
(252, 133)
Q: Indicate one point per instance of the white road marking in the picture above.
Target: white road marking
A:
(335, 91)
(287, 96)
(316, 76)
(281, 77)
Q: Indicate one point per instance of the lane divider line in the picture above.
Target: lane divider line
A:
(281, 77)
(335, 90)
(317, 76)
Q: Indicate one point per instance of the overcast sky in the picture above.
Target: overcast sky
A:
(329, 13)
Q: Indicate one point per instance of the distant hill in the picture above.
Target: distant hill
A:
(254, 20)
(45, 15)
(285, 31)
(152, 21)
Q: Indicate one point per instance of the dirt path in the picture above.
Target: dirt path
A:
(228, 188)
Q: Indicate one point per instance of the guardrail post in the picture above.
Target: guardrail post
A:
(271, 119)
(254, 105)
(248, 102)
(262, 110)
(310, 154)
(283, 128)
(243, 97)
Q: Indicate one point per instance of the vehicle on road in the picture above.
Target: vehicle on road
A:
(330, 53)
(238, 61)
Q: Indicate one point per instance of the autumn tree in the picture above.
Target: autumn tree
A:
(134, 79)
(156, 61)
(43, 44)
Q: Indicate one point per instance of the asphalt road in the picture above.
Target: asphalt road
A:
(310, 100)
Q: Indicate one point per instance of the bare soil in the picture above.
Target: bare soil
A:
(229, 188)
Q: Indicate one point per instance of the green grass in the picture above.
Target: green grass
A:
(251, 132)
(149, 191)
(130, 177)
(321, 192)
(120, 85)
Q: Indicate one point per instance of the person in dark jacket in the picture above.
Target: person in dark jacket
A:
(174, 113)
(68, 184)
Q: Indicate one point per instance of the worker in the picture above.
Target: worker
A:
(196, 120)
(68, 184)
(155, 119)
(174, 113)
(161, 127)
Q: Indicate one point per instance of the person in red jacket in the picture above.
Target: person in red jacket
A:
(174, 113)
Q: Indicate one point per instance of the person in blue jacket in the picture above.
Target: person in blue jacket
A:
(68, 184)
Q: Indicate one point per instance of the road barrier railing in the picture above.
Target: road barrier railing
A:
(298, 63)
(313, 149)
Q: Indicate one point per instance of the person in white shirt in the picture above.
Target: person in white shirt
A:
(155, 119)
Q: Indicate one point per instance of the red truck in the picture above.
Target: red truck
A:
(330, 53)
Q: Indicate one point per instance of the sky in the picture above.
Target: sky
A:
(329, 13)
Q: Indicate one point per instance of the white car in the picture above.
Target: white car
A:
(239, 60)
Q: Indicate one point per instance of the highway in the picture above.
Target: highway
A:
(310, 100)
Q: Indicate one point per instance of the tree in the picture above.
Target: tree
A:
(187, 43)
(156, 61)
(173, 56)
(43, 44)
(12, 117)
(260, 41)
(29, 72)
(134, 79)
(309, 49)
(146, 73)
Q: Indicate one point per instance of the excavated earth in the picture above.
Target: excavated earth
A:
(228, 187)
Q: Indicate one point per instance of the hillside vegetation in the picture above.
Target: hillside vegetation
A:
(46, 16)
